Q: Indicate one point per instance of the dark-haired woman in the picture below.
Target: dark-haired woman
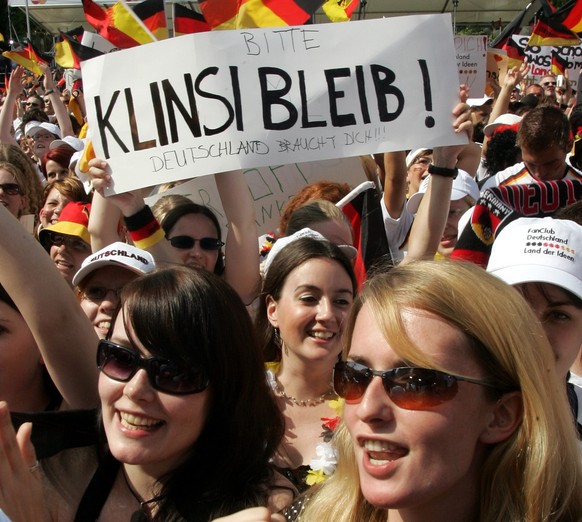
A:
(192, 232)
(182, 390)
(308, 289)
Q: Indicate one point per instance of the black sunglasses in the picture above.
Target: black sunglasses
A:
(12, 189)
(187, 242)
(74, 243)
(121, 364)
(547, 84)
(408, 387)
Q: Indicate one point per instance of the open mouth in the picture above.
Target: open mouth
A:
(317, 334)
(136, 422)
(381, 452)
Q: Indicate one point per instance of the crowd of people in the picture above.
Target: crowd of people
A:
(200, 376)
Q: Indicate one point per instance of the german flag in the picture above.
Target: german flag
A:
(559, 63)
(515, 53)
(363, 210)
(29, 58)
(340, 10)
(240, 14)
(571, 16)
(552, 33)
(69, 53)
(118, 24)
(187, 21)
(152, 13)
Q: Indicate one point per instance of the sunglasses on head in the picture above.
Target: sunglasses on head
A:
(187, 242)
(74, 243)
(408, 387)
(12, 189)
(121, 364)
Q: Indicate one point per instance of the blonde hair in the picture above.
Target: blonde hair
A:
(13, 160)
(536, 474)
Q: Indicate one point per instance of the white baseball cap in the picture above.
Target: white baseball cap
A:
(504, 119)
(117, 254)
(463, 185)
(75, 143)
(541, 250)
(477, 102)
(413, 154)
(32, 127)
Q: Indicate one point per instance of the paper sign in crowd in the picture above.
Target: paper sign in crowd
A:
(218, 101)
(270, 187)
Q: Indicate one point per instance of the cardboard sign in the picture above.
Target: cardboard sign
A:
(226, 100)
(472, 62)
(270, 187)
(540, 58)
(496, 68)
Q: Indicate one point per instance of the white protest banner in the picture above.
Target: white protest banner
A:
(224, 100)
(540, 58)
(472, 62)
(270, 187)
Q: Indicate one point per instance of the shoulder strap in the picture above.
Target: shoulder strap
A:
(98, 490)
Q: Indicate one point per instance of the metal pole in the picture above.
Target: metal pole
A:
(27, 21)
(455, 6)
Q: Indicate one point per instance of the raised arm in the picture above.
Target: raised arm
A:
(395, 182)
(64, 335)
(432, 214)
(61, 112)
(15, 88)
(106, 212)
(242, 250)
(501, 105)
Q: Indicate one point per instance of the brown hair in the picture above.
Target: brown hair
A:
(329, 190)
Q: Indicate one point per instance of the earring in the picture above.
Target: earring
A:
(279, 342)
(277, 337)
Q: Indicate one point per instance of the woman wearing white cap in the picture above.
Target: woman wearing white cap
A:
(542, 258)
(101, 277)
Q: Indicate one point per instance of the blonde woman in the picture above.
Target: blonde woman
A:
(469, 420)
(20, 182)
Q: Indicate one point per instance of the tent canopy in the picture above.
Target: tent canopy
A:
(64, 15)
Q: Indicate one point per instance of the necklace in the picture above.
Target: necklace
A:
(280, 392)
(142, 514)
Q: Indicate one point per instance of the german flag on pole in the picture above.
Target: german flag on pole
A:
(571, 16)
(69, 53)
(552, 33)
(239, 14)
(152, 13)
(118, 24)
(340, 10)
(559, 63)
(515, 53)
(362, 207)
(29, 58)
(187, 21)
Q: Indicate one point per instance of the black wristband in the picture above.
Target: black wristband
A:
(50, 91)
(443, 171)
(139, 220)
